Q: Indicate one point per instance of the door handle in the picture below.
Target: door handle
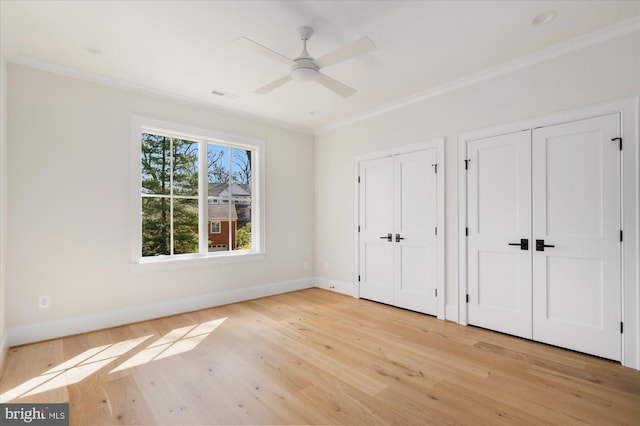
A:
(540, 245)
(398, 238)
(524, 244)
(389, 238)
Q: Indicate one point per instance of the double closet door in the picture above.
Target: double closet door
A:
(544, 235)
(397, 241)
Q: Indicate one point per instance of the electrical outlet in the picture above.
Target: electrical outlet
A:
(306, 266)
(44, 302)
(326, 266)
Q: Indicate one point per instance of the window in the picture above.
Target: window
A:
(198, 193)
(215, 227)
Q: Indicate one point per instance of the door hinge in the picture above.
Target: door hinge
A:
(358, 228)
(621, 235)
(466, 164)
(466, 231)
(621, 327)
(435, 167)
(619, 140)
(358, 278)
(358, 179)
(467, 298)
(436, 292)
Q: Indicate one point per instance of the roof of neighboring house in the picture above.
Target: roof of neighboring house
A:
(222, 189)
(222, 212)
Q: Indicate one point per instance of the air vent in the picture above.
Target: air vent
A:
(224, 94)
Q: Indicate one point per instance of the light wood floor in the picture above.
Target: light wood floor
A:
(316, 357)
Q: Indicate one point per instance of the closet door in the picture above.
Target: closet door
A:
(499, 233)
(576, 224)
(376, 230)
(397, 239)
(415, 239)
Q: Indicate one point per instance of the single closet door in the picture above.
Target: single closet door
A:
(499, 233)
(397, 238)
(415, 239)
(376, 230)
(576, 227)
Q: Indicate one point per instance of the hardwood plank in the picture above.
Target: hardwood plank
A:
(316, 357)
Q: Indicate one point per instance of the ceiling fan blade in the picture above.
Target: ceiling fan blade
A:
(348, 51)
(273, 85)
(251, 45)
(334, 85)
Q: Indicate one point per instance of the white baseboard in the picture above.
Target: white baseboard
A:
(337, 286)
(81, 324)
(451, 313)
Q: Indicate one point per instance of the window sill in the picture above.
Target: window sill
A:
(189, 261)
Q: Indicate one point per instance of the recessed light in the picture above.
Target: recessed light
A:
(545, 17)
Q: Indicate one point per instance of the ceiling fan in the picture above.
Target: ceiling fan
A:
(306, 68)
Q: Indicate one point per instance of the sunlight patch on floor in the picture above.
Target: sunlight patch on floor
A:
(78, 368)
(73, 370)
(177, 341)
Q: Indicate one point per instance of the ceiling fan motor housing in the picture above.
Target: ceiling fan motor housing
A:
(304, 69)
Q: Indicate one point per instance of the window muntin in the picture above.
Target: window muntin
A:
(184, 176)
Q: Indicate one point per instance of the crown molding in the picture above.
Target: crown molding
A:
(32, 62)
(575, 44)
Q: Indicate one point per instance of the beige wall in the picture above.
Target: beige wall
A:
(601, 72)
(70, 214)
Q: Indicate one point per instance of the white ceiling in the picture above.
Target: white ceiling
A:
(184, 48)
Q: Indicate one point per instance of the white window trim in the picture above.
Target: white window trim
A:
(138, 263)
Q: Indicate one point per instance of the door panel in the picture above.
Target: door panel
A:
(576, 198)
(499, 214)
(376, 221)
(416, 220)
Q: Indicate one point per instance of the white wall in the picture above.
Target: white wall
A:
(3, 205)
(69, 212)
(603, 71)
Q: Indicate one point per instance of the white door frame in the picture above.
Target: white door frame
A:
(438, 144)
(629, 109)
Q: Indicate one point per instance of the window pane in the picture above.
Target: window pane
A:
(156, 164)
(221, 217)
(185, 226)
(185, 167)
(218, 175)
(241, 192)
(156, 214)
(243, 234)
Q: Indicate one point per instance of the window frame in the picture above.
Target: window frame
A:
(140, 125)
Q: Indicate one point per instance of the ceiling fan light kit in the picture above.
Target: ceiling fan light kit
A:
(305, 68)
